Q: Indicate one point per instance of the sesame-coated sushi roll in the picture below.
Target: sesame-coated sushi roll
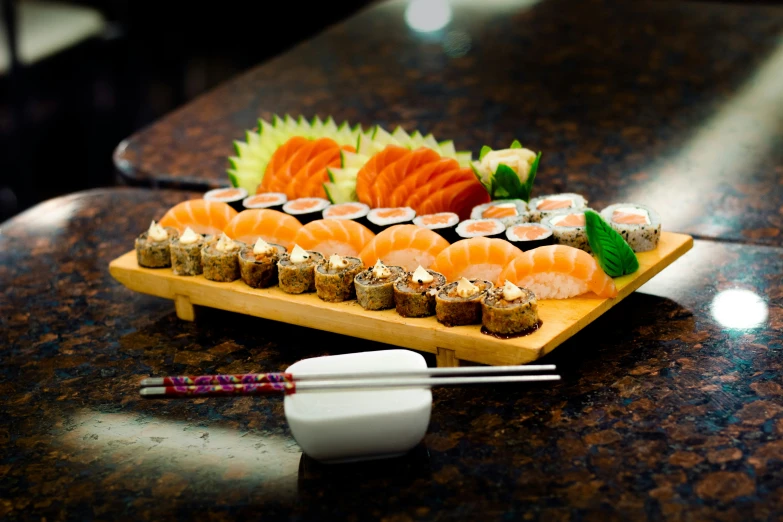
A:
(542, 207)
(490, 228)
(509, 311)
(444, 223)
(186, 253)
(459, 303)
(153, 246)
(506, 210)
(527, 236)
(414, 292)
(640, 226)
(220, 259)
(353, 211)
(380, 219)
(568, 227)
(306, 209)
(375, 286)
(268, 200)
(296, 271)
(232, 196)
(258, 263)
(334, 278)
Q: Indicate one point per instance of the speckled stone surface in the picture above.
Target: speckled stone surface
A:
(672, 104)
(670, 406)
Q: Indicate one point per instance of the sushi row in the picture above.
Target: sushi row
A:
(503, 311)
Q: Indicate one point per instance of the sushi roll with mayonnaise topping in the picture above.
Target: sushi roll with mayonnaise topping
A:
(542, 207)
(444, 223)
(334, 278)
(459, 303)
(491, 228)
(231, 195)
(380, 219)
(153, 246)
(569, 228)
(296, 271)
(306, 209)
(509, 310)
(640, 226)
(186, 253)
(375, 286)
(506, 210)
(268, 200)
(258, 263)
(527, 236)
(220, 260)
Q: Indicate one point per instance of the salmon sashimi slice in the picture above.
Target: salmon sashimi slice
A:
(529, 232)
(570, 220)
(630, 218)
(367, 174)
(407, 246)
(298, 161)
(554, 204)
(334, 236)
(279, 158)
(477, 257)
(391, 176)
(203, 217)
(558, 272)
(451, 177)
(500, 211)
(419, 178)
(314, 169)
(270, 225)
(459, 198)
(314, 188)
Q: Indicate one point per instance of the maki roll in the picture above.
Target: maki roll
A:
(375, 286)
(232, 196)
(153, 246)
(491, 228)
(352, 211)
(334, 278)
(509, 311)
(258, 264)
(527, 236)
(220, 261)
(380, 219)
(186, 253)
(542, 207)
(459, 303)
(640, 226)
(270, 200)
(414, 292)
(506, 210)
(306, 209)
(568, 228)
(444, 223)
(296, 271)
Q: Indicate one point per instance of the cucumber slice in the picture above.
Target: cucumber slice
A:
(463, 157)
(381, 136)
(350, 159)
(340, 192)
(232, 177)
(330, 128)
(317, 125)
(243, 180)
(447, 149)
(416, 139)
(431, 142)
(400, 135)
(246, 165)
(337, 175)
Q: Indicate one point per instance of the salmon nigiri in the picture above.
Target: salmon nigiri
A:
(202, 216)
(558, 272)
(475, 258)
(407, 246)
(334, 236)
(270, 225)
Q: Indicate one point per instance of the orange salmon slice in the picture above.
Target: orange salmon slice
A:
(529, 233)
(435, 219)
(498, 211)
(302, 205)
(391, 213)
(262, 198)
(344, 210)
(554, 204)
(481, 227)
(627, 218)
(572, 220)
(228, 193)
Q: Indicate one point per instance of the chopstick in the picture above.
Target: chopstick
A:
(290, 387)
(279, 377)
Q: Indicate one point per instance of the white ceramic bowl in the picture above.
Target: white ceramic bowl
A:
(342, 426)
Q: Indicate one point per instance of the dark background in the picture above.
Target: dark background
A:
(61, 118)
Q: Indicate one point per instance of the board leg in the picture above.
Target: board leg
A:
(184, 308)
(446, 358)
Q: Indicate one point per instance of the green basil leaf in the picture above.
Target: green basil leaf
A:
(613, 253)
(515, 145)
(506, 183)
(484, 150)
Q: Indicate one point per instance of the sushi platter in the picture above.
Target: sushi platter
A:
(561, 319)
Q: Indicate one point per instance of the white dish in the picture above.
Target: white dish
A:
(343, 426)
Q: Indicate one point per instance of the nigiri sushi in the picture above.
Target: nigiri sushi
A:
(407, 246)
(202, 216)
(476, 258)
(334, 236)
(270, 225)
(558, 272)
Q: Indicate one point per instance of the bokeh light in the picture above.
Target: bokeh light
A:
(428, 16)
(738, 308)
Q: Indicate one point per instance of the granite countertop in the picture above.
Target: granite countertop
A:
(672, 104)
(670, 406)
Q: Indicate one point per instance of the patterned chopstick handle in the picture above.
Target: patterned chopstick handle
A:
(248, 378)
(221, 390)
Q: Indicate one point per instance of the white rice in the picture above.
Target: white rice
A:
(553, 285)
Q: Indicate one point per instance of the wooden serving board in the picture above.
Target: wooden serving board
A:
(561, 318)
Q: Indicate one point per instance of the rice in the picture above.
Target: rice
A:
(551, 285)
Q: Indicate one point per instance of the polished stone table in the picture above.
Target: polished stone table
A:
(673, 104)
(670, 406)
